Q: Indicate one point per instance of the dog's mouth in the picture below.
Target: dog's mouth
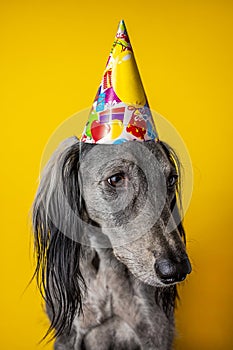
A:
(172, 280)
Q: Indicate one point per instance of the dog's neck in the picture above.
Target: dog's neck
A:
(113, 291)
(114, 269)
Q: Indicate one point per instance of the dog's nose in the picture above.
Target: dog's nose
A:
(170, 271)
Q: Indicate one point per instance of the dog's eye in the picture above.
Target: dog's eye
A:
(172, 181)
(117, 180)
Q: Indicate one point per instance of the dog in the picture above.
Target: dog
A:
(110, 245)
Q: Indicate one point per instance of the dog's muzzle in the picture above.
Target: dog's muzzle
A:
(170, 271)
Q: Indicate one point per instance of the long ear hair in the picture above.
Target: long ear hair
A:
(167, 297)
(176, 204)
(58, 210)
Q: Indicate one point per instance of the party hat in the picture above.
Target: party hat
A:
(120, 111)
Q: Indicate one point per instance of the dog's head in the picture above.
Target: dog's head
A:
(124, 197)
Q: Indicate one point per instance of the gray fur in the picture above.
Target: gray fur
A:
(124, 235)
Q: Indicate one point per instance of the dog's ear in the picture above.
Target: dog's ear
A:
(168, 296)
(57, 221)
(176, 204)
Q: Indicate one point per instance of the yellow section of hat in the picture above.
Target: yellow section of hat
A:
(126, 79)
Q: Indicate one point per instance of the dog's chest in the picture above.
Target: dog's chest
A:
(112, 294)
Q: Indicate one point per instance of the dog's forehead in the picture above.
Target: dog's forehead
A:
(135, 152)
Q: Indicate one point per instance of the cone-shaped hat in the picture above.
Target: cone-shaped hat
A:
(120, 111)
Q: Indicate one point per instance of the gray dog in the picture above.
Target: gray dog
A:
(110, 245)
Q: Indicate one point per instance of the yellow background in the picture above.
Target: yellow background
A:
(52, 57)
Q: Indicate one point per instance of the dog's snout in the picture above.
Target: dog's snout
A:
(170, 271)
